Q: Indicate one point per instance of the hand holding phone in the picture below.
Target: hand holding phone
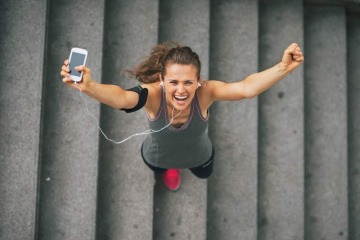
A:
(77, 57)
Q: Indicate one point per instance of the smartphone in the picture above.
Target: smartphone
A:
(77, 58)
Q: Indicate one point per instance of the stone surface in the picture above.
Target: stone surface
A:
(232, 190)
(326, 202)
(325, 2)
(353, 69)
(182, 215)
(281, 130)
(126, 185)
(22, 40)
(187, 22)
(50, 183)
(332, 2)
(70, 136)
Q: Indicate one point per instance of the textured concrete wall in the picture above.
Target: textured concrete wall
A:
(281, 130)
(326, 208)
(70, 137)
(232, 190)
(21, 68)
(182, 215)
(125, 192)
(353, 51)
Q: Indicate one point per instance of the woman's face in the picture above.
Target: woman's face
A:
(180, 85)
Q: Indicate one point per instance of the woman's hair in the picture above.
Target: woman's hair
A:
(150, 68)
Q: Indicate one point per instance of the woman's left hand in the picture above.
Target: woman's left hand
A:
(292, 57)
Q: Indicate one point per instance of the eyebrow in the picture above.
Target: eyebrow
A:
(178, 80)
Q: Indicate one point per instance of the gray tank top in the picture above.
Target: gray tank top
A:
(185, 147)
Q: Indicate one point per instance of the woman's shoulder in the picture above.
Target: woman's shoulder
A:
(153, 89)
(154, 97)
(205, 91)
(151, 86)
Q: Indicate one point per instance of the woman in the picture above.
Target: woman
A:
(173, 93)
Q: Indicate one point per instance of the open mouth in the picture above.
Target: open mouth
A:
(181, 98)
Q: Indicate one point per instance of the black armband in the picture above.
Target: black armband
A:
(143, 94)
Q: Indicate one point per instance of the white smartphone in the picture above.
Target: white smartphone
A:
(77, 57)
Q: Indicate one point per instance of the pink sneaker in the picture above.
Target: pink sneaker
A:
(172, 179)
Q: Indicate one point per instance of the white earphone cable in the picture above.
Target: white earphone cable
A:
(149, 131)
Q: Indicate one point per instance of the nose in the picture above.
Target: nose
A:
(181, 88)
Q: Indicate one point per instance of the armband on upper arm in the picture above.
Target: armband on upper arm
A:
(143, 94)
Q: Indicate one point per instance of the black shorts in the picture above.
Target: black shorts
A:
(202, 171)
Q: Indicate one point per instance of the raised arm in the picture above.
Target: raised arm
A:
(111, 95)
(257, 83)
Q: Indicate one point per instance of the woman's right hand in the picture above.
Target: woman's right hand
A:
(86, 80)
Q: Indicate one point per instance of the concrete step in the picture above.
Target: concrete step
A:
(326, 208)
(353, 110)
(281, 127)
(126, 185)
(22, 41)
(69, 166)
(182, 215)
(281, 162)
(232, 190)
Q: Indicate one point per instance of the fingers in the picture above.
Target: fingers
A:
(299, 59)
(67, 79)
(292, 49)
(65, 72)
(293, 57)
(65, 68)
(82, 68)
(297, 55)
(295, 52)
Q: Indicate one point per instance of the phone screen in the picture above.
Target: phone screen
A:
(77, 59)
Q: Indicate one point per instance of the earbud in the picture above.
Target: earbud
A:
(162, 85)
(199, 85)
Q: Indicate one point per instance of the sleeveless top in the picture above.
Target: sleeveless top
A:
(185, 147)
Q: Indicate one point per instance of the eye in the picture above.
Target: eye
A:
(173, 82)
(188, 83)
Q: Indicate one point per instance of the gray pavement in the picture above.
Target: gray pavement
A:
(126, 185)
(281, 127)
(232, 190)
(69, 164)
(353, 88)
(326, 201)
(286, 163)
(182, 215)
(21, 68)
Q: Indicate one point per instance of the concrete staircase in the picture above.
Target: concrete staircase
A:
(287, 163)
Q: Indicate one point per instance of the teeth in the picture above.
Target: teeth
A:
(181, 98)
